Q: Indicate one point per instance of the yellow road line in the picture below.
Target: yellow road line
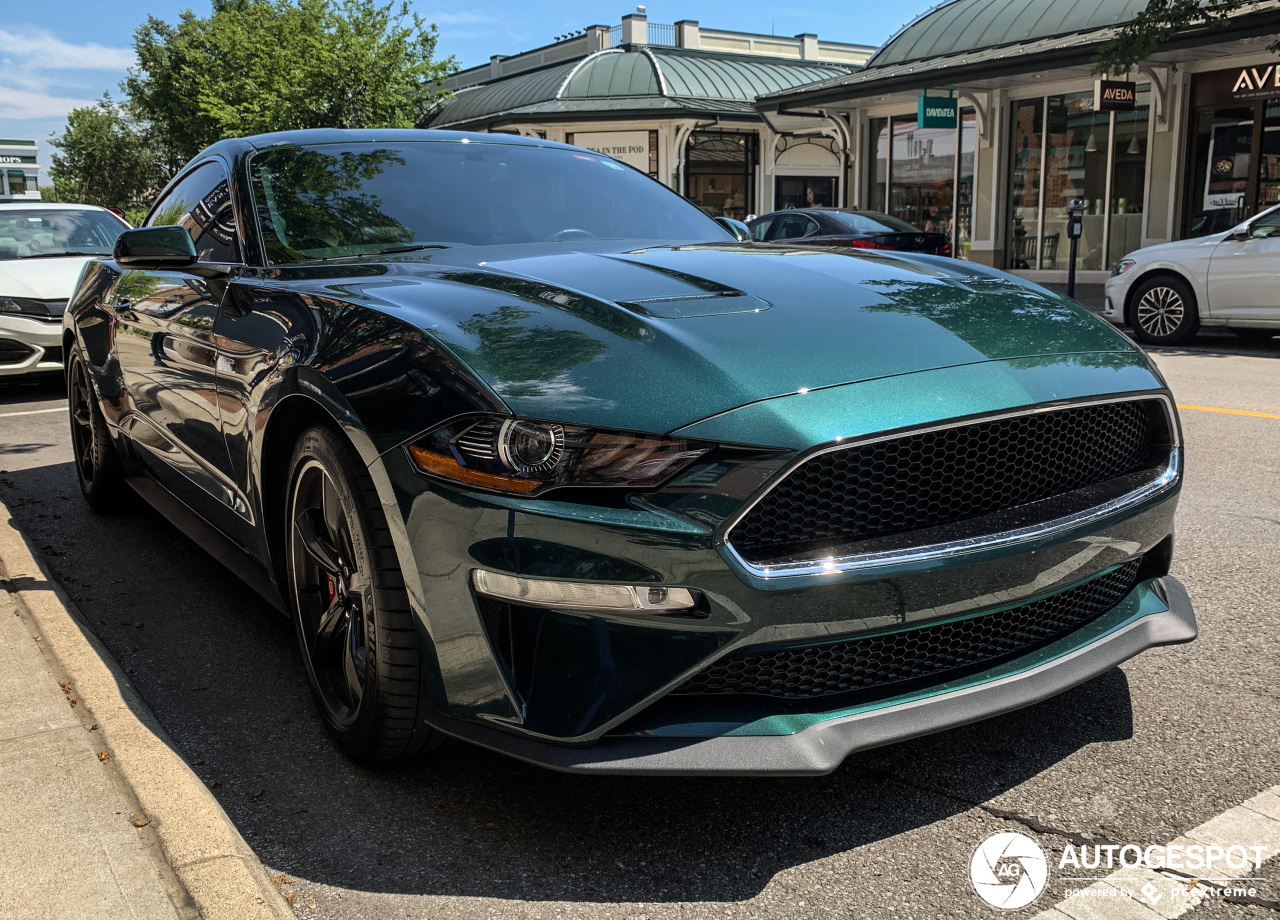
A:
(1229, 411)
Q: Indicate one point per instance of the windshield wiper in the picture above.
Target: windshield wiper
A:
(56, 255)
(414, 248)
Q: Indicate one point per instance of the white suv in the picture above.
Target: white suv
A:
(1166, 293)
(43, 247)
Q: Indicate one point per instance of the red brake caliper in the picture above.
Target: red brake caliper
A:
(332, 586)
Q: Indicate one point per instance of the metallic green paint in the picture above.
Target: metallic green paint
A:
(1143, 601)
(575, 334)
(799, 420)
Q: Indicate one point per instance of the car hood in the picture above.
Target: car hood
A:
(42, 279)
(655, 339)
(1176, 248)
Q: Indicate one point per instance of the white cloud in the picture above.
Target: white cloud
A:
(16, 103)
(38, 48)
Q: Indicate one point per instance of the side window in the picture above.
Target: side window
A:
(1266, 225)
(794, 226)
(760, 229)
(201, 203)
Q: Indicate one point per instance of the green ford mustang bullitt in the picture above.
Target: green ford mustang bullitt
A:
(537, 455)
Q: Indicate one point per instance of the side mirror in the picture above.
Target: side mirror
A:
(155, 248)
(1240, 234)
(741, 232)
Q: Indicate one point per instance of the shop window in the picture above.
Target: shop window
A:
(918, 177)
(1063, 149)
(1128, 180)
(805, 192)
(720, 173)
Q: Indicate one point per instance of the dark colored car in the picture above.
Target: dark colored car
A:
(846, 227)
(537, 455)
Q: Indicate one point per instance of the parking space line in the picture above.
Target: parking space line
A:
(59, 409)
(1229, 411)
(1253, 823)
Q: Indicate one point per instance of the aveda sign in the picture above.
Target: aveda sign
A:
(1251, 78)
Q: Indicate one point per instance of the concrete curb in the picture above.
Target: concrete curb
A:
(207, 854)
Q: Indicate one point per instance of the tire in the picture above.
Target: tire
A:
(1162, 311)
(350, 608)
(98, 468)
(1255, 335)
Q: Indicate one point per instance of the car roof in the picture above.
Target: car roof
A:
(231, 146)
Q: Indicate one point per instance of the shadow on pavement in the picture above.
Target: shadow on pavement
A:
(220, 669)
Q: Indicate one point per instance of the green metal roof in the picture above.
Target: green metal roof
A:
(639, 80)
(974, 25)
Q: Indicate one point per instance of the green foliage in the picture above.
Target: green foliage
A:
(1159, 22)
(272, 65)
(103, 157)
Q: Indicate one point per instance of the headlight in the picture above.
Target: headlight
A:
(44, 309)
(525, 456)
(1123, 266)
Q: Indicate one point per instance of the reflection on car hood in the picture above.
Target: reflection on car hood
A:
(43, 279)
(657, 338)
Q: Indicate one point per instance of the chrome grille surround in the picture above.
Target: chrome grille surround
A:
(1164, 478)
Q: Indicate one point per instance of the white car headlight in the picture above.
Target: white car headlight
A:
(1123, 266)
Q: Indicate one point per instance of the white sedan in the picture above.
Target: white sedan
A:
(1165, 293)
(43, 247)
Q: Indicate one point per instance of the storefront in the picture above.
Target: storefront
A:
(1234, 124)
(19, 172)
(674, 102)
(1194, 148)
(923, 175)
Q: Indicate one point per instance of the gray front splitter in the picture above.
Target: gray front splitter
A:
(822, 747)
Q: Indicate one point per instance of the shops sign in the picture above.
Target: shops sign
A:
(1114, 96)
(937, 112)
(1251, 79)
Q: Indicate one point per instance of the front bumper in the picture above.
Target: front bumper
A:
(1115, 293)
(42, 340)
(1164, 616)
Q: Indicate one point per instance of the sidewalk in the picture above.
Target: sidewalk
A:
(70, 844)
(100, 816)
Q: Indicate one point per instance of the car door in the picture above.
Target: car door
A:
(168, 354)
(1242, 275)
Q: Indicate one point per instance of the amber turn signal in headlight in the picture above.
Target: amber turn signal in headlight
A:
(524, 456)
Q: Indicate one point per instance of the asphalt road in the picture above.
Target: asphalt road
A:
(1139, 755)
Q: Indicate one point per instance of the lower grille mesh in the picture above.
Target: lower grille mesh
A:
(927, 652)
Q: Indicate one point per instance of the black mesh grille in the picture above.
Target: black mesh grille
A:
(926, 652)
(12, 352)
(943, 477)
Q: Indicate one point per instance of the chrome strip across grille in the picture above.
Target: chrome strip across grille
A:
(1164, 478)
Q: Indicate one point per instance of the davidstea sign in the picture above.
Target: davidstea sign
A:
(1114, 96)
(937, 112)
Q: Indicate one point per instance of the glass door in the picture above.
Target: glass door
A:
(1222, 192)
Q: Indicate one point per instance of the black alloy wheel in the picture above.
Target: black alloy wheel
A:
(351, 612)
(98, 467)
(1162, 311)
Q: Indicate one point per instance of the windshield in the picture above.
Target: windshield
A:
(32, 233)
(871, 222)
(336, 200)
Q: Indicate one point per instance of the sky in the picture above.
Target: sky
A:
(56, 55)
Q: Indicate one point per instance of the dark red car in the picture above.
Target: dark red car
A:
(846, 227)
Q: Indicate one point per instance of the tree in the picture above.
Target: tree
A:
(103, 157)
(1156, 24)
(255, 66)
